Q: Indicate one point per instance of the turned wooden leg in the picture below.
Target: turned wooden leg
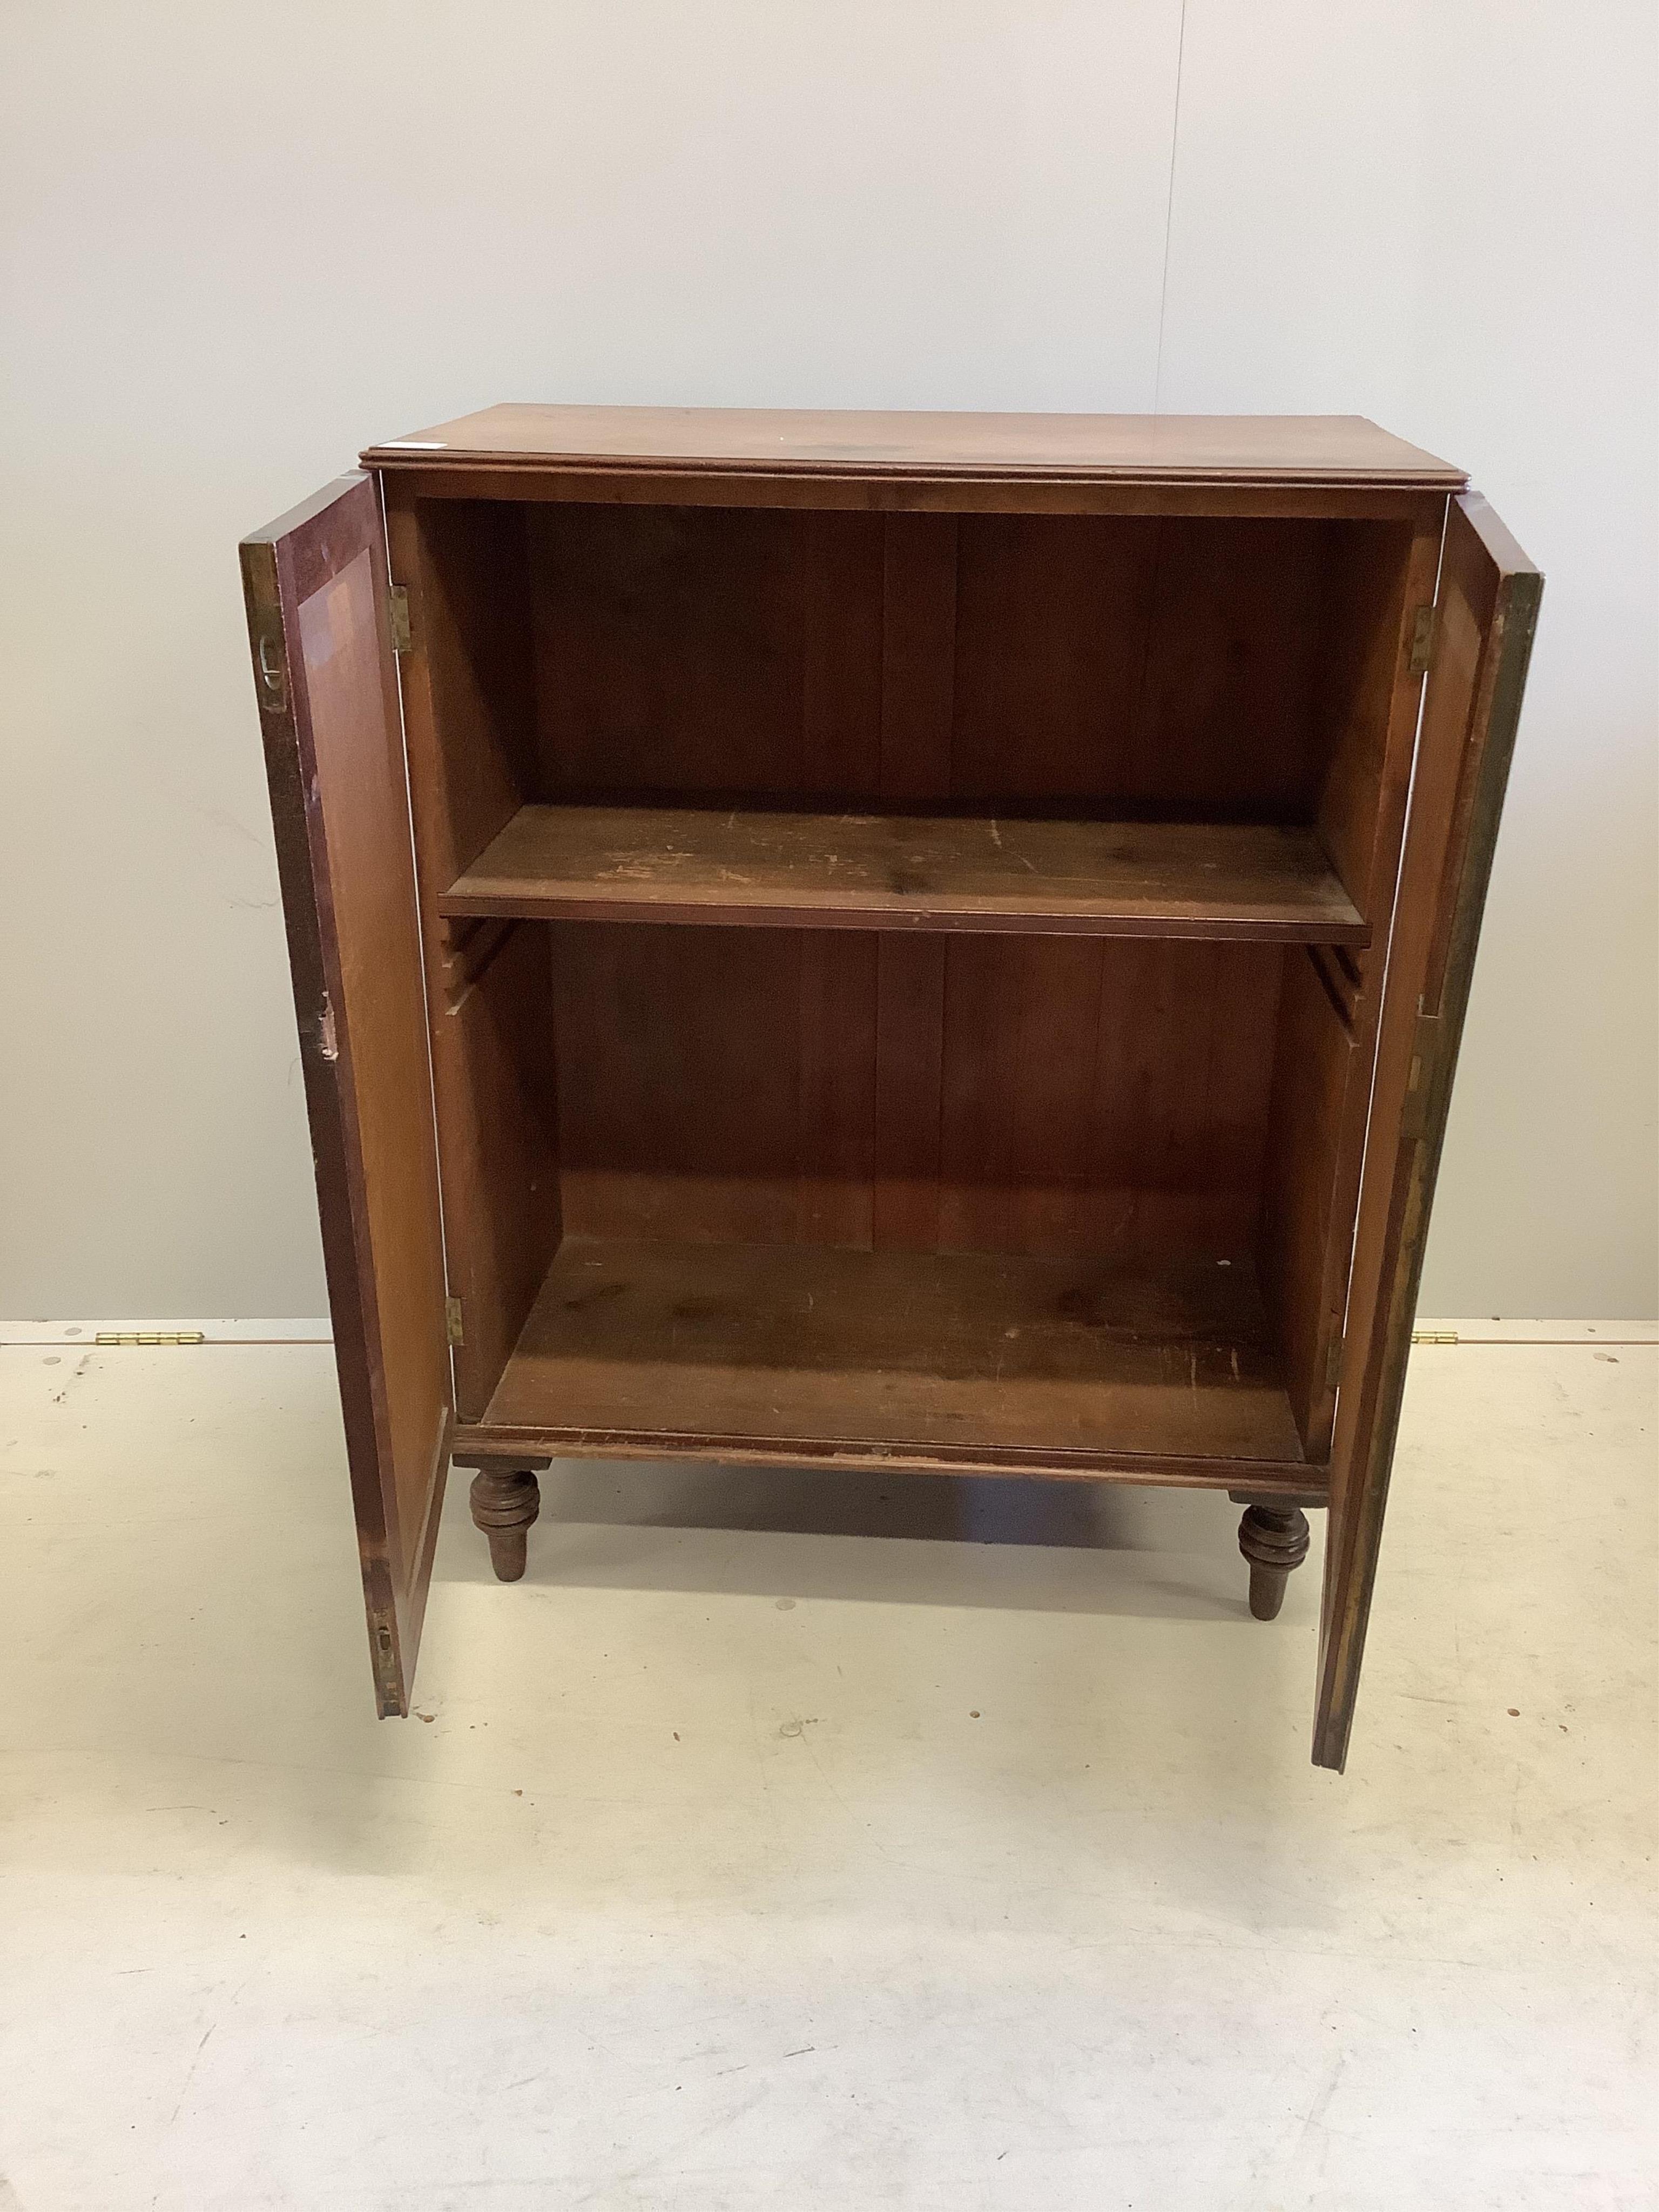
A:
(1273, 1539)
(505, 1501)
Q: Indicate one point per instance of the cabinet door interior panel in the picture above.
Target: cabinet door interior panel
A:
(315, 584)
(1489, 600)
(916, 941)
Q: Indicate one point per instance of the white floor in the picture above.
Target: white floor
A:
(763, 1848)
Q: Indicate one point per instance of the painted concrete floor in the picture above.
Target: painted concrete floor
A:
(763, 1848)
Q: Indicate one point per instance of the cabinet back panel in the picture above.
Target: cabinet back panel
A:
(1104, 1095)
(873, 1089)
(1204, 667)
(715, 1084)
(1166, 667)
(707, 649)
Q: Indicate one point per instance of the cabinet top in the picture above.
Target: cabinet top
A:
(1247, 449)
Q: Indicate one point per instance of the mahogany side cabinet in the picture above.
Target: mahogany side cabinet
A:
(914, 940)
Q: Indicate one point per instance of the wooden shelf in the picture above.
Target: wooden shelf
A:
(805, 1353)
(887, 871)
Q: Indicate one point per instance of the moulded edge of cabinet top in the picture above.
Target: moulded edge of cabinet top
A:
(1264, 449)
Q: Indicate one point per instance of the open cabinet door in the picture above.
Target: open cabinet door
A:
(1487, 611)
(316, 588)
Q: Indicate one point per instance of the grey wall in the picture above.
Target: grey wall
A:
(240, 245)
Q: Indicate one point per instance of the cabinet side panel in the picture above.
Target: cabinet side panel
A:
(468, 679)
(1379, 576)
(1315, 1137)
(469, 715)
(494, 1058)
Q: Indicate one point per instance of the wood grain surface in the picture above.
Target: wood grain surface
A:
(1488, 610)
(1066, 1364)
(1061, 1096)
(1273, 449)
(884, 871)
(315, 584)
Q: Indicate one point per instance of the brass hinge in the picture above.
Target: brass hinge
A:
(150, 1336)
(1423, 629)
(402, 639)
(453, 1316)
(1434, 1336)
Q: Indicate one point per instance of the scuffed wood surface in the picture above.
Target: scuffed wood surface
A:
(882, 871)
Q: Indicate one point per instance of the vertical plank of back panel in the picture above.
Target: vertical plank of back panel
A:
(918, 704)
(1213, 1016)
(1018, 1078)
(840, 561)
(717, 1085)
(1183, 1063)
(1105, 1095)
(679, 1081)
(917, 674)
(1053, 621)
(836, 1090)
(1227, 720)
(666, 659)
(1241, 992)
(909, 1073)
